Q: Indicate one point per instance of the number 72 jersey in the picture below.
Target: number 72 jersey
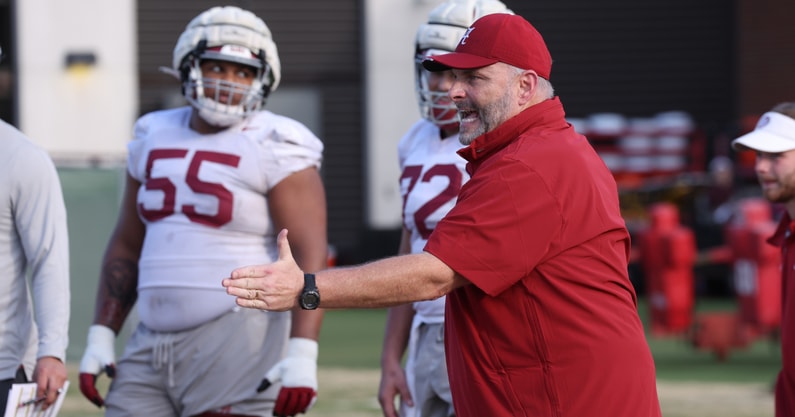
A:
(431, 176)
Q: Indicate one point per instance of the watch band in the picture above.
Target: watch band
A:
(310, 296)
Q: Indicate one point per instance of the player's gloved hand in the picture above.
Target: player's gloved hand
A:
(99, 357)
(298, 374)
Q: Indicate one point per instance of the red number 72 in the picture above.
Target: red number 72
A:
(412, 172)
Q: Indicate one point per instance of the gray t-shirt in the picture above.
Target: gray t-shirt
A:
(34, 244)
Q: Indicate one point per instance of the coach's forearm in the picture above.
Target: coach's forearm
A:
(386, 282)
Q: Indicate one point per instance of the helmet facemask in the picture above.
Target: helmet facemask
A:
(435, 106)
(219, 102)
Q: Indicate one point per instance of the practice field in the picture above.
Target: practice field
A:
(691, 383)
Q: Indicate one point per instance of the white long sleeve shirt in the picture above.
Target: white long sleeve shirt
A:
(34, 254)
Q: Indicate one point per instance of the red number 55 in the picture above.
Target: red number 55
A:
(224, 196)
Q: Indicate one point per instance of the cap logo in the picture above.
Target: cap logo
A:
(763, 121)
(236, 51)
(466, 35)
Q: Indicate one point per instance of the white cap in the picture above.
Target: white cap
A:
(774, 133)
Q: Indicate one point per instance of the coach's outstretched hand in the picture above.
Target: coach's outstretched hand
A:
(99, 357)
(273, 287)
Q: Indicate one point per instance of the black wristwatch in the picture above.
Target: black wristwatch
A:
(310, 297)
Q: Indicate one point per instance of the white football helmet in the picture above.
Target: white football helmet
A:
(226, 33)
(447, 23)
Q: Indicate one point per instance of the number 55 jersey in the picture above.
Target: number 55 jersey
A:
(204, 202)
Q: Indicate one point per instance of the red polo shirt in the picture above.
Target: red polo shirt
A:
(549, 326)
(785, 385)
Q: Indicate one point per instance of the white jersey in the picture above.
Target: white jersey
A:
(203, 200)
(431, 176)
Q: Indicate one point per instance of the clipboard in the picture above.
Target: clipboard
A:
(20, 393)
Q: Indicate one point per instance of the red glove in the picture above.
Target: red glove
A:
(298, 374)
(99, 357)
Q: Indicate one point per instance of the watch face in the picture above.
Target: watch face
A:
(310, 297)
(310, 300)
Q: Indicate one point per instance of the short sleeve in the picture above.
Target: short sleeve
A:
(291, 147)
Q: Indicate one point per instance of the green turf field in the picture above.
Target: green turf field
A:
(92, 200)
(351, 339)
(691, 383)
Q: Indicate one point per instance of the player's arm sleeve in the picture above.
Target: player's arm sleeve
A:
(40, 216)
(135, 167)
(289, 148)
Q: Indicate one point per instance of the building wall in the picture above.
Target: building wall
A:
(76, 88)
(765, 46)
(390, 97)
(639, 58)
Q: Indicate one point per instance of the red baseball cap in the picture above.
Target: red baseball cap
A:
(497, 37)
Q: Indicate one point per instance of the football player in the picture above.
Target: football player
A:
(431, 176)
(207, 186)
